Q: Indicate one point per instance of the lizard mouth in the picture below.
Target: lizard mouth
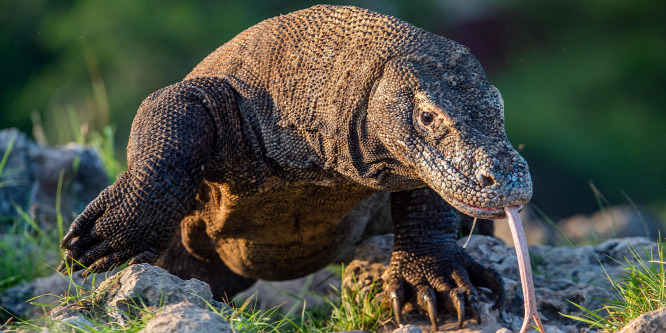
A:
(479, 212)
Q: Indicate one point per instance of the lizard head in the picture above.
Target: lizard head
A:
(439, 116)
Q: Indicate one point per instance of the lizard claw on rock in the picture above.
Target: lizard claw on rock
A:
(459, 302)
(115, 227)
(427, 300)
(475, 311)
(439, 284)
(397, 293)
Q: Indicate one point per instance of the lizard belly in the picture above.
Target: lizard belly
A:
(286, 232)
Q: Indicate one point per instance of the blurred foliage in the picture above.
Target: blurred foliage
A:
(582, 81)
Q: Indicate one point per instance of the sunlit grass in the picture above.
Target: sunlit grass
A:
(349, 309)
(639, 289)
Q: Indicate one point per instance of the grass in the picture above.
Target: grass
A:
(352, 309)
(640, 288)
(27, 250)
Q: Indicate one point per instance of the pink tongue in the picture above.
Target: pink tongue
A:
(524, 266)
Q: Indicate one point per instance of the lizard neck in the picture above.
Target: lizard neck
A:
(361, 156)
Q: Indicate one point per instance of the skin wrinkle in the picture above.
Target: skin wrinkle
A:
(271, 157)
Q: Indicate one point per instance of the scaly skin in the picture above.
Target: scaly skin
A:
(272, 154)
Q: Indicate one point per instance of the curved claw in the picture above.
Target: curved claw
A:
(62, 268)
(475, 310)
(397, 309)
(500, 300)
(458, 299)
(64, 244)
(427, 301)
(431, 306)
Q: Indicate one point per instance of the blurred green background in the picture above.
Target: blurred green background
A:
(583, 81)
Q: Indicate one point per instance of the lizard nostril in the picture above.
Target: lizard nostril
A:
(485, 179)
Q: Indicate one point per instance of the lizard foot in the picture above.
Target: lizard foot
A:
(443, 279)
(115, 227)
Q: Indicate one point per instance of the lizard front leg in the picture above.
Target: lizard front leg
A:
(172, 139)
(427, 264)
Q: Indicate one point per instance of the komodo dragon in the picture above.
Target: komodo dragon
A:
(258, 164)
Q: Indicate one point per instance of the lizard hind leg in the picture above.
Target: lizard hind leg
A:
(224, 283)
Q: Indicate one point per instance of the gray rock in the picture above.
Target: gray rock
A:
(180, 306)
(375, 249)
(147, 286)
(407, 329)
(63, 318)
(561, 274)
(45, 290)
(611, 222)
(31, 173)
(653, 321)
(186, 317)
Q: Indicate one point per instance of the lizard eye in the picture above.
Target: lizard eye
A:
(427, 118)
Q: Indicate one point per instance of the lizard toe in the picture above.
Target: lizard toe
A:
(398, 294)
(86, 220)
(489, 278)
(149, 256)
(107, 262)
(427, 300)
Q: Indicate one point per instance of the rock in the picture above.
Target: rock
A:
(45, 290)
(611, 222)
(375, 249)
(147, 286)
(290, 296)
(186, 317)
(653, 321)
(31, 173)
(372, 256)
(408, 329)
(561, 274)
(138, 290)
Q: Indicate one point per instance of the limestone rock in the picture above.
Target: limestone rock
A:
(408, 329)
(148, 286)
(611, 222)
(186, 317)
(653, 321)
(561, 274)
(45, 290)
(31, 173)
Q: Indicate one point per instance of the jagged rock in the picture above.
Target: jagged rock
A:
(148, 286)
(561, 274)
(180, 306)
(653, 321)
(186, 317)
(31, 173)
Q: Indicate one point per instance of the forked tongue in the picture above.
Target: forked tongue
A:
(525, 270)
